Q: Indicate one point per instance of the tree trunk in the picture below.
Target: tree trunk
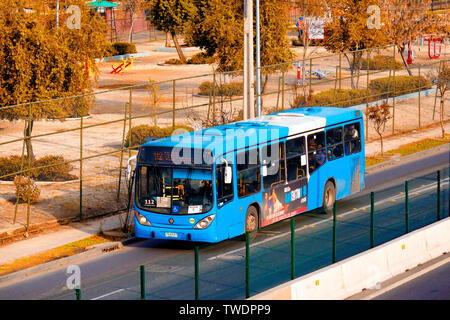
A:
(381, 142)
(167, 39)
(29, 146)
(405, 63)
(130, 34)
(177, 45)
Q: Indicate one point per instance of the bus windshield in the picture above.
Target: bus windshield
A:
(174, 190)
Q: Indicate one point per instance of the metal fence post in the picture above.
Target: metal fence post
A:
(142, 269)
(372, 219)
(292, 248)
(81, 160)
(247, 265)
(420, 89)
(196, 273)
(334, 231)
(393, 96)
(173, 103)
(406, 206)
(367, 93)
(282, 90)
(78, 293)
(439, 195)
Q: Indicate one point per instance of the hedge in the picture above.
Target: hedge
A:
(339, 98)
(56, 171)
(380, 88)
(226, 89)
(380, 62)
(384, 87)
(141, 132)
(201, 58)
(120, 48)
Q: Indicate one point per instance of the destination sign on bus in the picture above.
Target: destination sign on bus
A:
(175, 156)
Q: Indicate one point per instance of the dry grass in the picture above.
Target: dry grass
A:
(411, 148)
(52, 254)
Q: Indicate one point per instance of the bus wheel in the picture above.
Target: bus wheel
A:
(329, 197)
(251, 222)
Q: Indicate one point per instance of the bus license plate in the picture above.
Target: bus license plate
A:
(171, 235)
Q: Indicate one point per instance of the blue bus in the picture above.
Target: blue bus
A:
(217, 183)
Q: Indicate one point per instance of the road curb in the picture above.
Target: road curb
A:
(92, 252)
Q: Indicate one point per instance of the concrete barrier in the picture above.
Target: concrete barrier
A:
(367, 269)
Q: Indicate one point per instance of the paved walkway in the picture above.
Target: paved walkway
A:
(76, 231)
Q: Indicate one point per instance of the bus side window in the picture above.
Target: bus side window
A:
(316, 151)
(224, 190)
(248, 172)
(295, 154)
(273, 160)
(335, 146)
(352, 138)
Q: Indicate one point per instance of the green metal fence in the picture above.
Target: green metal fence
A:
(257, 265)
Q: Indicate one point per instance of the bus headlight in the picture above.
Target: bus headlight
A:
(142, 220)
(205, 222)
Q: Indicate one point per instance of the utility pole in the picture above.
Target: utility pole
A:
(57, 13)
(258, 62)
(249, 87)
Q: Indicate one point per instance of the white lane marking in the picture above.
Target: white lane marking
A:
(108, 294)
(422, 188)
(407, 279)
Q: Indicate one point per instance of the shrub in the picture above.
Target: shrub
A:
(26, 187)
(201, 58)
(10, 165)
(384, 87)
(205, 87)
(55, 172)
(54, 169)
(226, 89)
(231, 89)
(139, 133)
(110, 50)
(124, 48)
(380, 62)
(173, 61)
(339, 98)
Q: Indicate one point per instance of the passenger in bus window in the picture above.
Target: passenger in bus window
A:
(352, 139)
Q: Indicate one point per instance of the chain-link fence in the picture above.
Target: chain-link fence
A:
(79, 156)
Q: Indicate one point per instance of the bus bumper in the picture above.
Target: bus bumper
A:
(185, 234)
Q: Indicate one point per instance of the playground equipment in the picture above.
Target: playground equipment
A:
(126, 65)
(435, 54)
(88, 68)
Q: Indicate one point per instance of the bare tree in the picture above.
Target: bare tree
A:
(134, 7)
(379, 114)
(441, 77)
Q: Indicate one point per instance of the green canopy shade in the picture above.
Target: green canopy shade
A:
(102, 4)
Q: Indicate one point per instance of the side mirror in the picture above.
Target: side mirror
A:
(129, 168)
(228, 175)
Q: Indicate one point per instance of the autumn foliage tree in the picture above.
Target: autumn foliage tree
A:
(409, 20)
(172, 16)
(43, 62)
(348, 31)
(220, 33)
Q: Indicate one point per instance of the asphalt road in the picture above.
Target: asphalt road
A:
(170, 265)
